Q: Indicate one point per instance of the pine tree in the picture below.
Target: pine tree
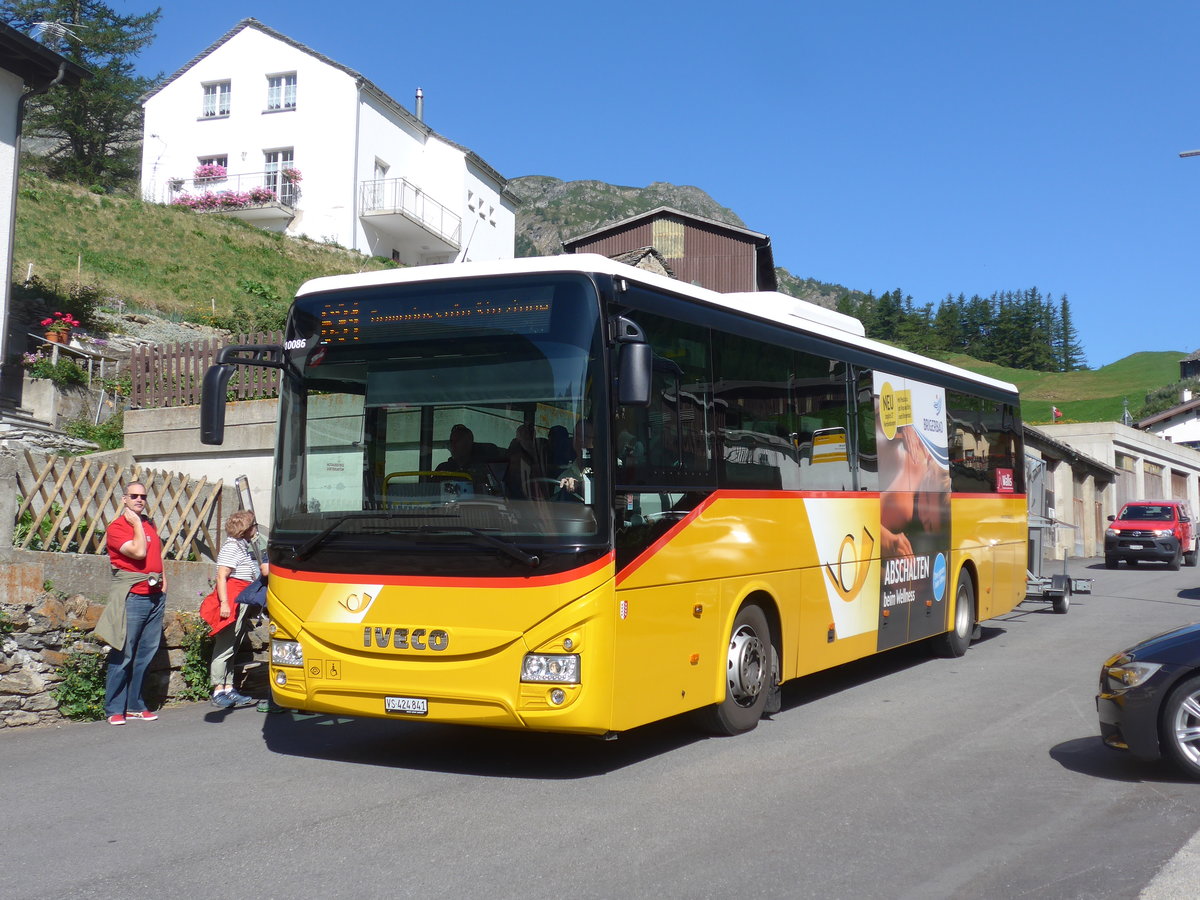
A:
(95, 126)
(1068, 346)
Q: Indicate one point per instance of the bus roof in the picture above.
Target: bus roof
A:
(770, 306)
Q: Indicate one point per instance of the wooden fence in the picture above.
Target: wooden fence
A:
(66, 504)
(172, 374)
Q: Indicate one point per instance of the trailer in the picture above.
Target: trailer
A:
(1056, 589)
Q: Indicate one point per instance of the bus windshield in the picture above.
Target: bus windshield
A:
(459, 413)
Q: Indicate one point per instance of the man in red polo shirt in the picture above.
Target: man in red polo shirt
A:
(135, 552)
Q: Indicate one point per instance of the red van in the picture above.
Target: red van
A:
(1156, 530)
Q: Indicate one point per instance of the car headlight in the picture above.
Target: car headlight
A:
(558, 668)
(1162, 532)
(1112, 532)
(1125, 674)
(287, 653)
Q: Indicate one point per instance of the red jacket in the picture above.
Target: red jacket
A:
(210, 606)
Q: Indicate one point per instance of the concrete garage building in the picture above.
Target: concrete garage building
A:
(1075, 492)
(1148, 467)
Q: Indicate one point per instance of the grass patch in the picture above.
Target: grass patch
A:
(1092, 395)
(162, 258)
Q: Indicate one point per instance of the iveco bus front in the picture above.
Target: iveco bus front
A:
(440, 524)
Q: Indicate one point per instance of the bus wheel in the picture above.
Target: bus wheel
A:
(955, 641)
(747, 676)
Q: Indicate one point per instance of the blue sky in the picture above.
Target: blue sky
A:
(936, 147)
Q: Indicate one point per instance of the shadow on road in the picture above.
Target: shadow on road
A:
(1089, 756)
(468, 751)
(852, 674)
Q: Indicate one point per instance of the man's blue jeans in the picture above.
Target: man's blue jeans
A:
(127, 667)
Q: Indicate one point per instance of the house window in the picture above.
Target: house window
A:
(281, 91)
(275, 164)
(216, 100)
(211, 168)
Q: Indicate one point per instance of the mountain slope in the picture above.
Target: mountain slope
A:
(554, 210)
(1090, 395)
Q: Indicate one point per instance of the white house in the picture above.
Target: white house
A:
(261, 127)
(1180, 424)
(27, 70)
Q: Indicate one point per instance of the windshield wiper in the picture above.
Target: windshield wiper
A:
(490, 539)
(305, 550)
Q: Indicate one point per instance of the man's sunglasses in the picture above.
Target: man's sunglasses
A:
(137, 496)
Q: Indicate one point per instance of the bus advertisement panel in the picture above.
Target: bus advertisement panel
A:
(914, 476)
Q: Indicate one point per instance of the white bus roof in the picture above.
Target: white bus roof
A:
(770, 306)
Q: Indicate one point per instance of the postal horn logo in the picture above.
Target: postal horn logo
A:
(849, 573)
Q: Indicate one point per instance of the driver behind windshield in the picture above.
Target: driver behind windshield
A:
(466, 459)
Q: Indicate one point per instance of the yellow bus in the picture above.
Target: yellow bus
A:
(565, 494)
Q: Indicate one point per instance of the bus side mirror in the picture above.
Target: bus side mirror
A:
(633, 375)
(212, 404)
(216, 383)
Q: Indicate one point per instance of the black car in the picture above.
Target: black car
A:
(1149, 700)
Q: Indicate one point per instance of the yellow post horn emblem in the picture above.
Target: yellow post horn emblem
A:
(860, 561)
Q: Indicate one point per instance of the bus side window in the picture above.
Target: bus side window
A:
(984, 437)
(818, 397)
(868, 457)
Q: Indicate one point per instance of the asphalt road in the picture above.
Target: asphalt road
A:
(898, 777)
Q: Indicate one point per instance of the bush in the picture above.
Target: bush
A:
(197, 654)
(64, 373)
(41, 540)
(108, 435)
(80, 694)
(80, 300)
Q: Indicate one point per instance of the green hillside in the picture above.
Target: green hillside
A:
(175, 262)
(1092, 395)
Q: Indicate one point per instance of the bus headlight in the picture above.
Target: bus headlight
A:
(556, 668)
(287, 653)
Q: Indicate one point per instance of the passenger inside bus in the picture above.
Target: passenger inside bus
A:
(574, 481)
(527, 477)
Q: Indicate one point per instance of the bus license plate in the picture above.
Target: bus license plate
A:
(410, 706)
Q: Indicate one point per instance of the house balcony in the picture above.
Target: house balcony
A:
(397, 207)
(266, 199)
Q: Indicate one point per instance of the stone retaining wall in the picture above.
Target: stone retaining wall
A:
(47, 628)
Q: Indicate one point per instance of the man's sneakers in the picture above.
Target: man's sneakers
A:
(141, 716)
(232, 699)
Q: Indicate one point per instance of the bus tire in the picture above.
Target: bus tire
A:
(954, 643)
(747, 676)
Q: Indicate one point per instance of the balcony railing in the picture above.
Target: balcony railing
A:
(402, 197)
(233, 192)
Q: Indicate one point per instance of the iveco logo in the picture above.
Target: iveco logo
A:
(405, 638)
